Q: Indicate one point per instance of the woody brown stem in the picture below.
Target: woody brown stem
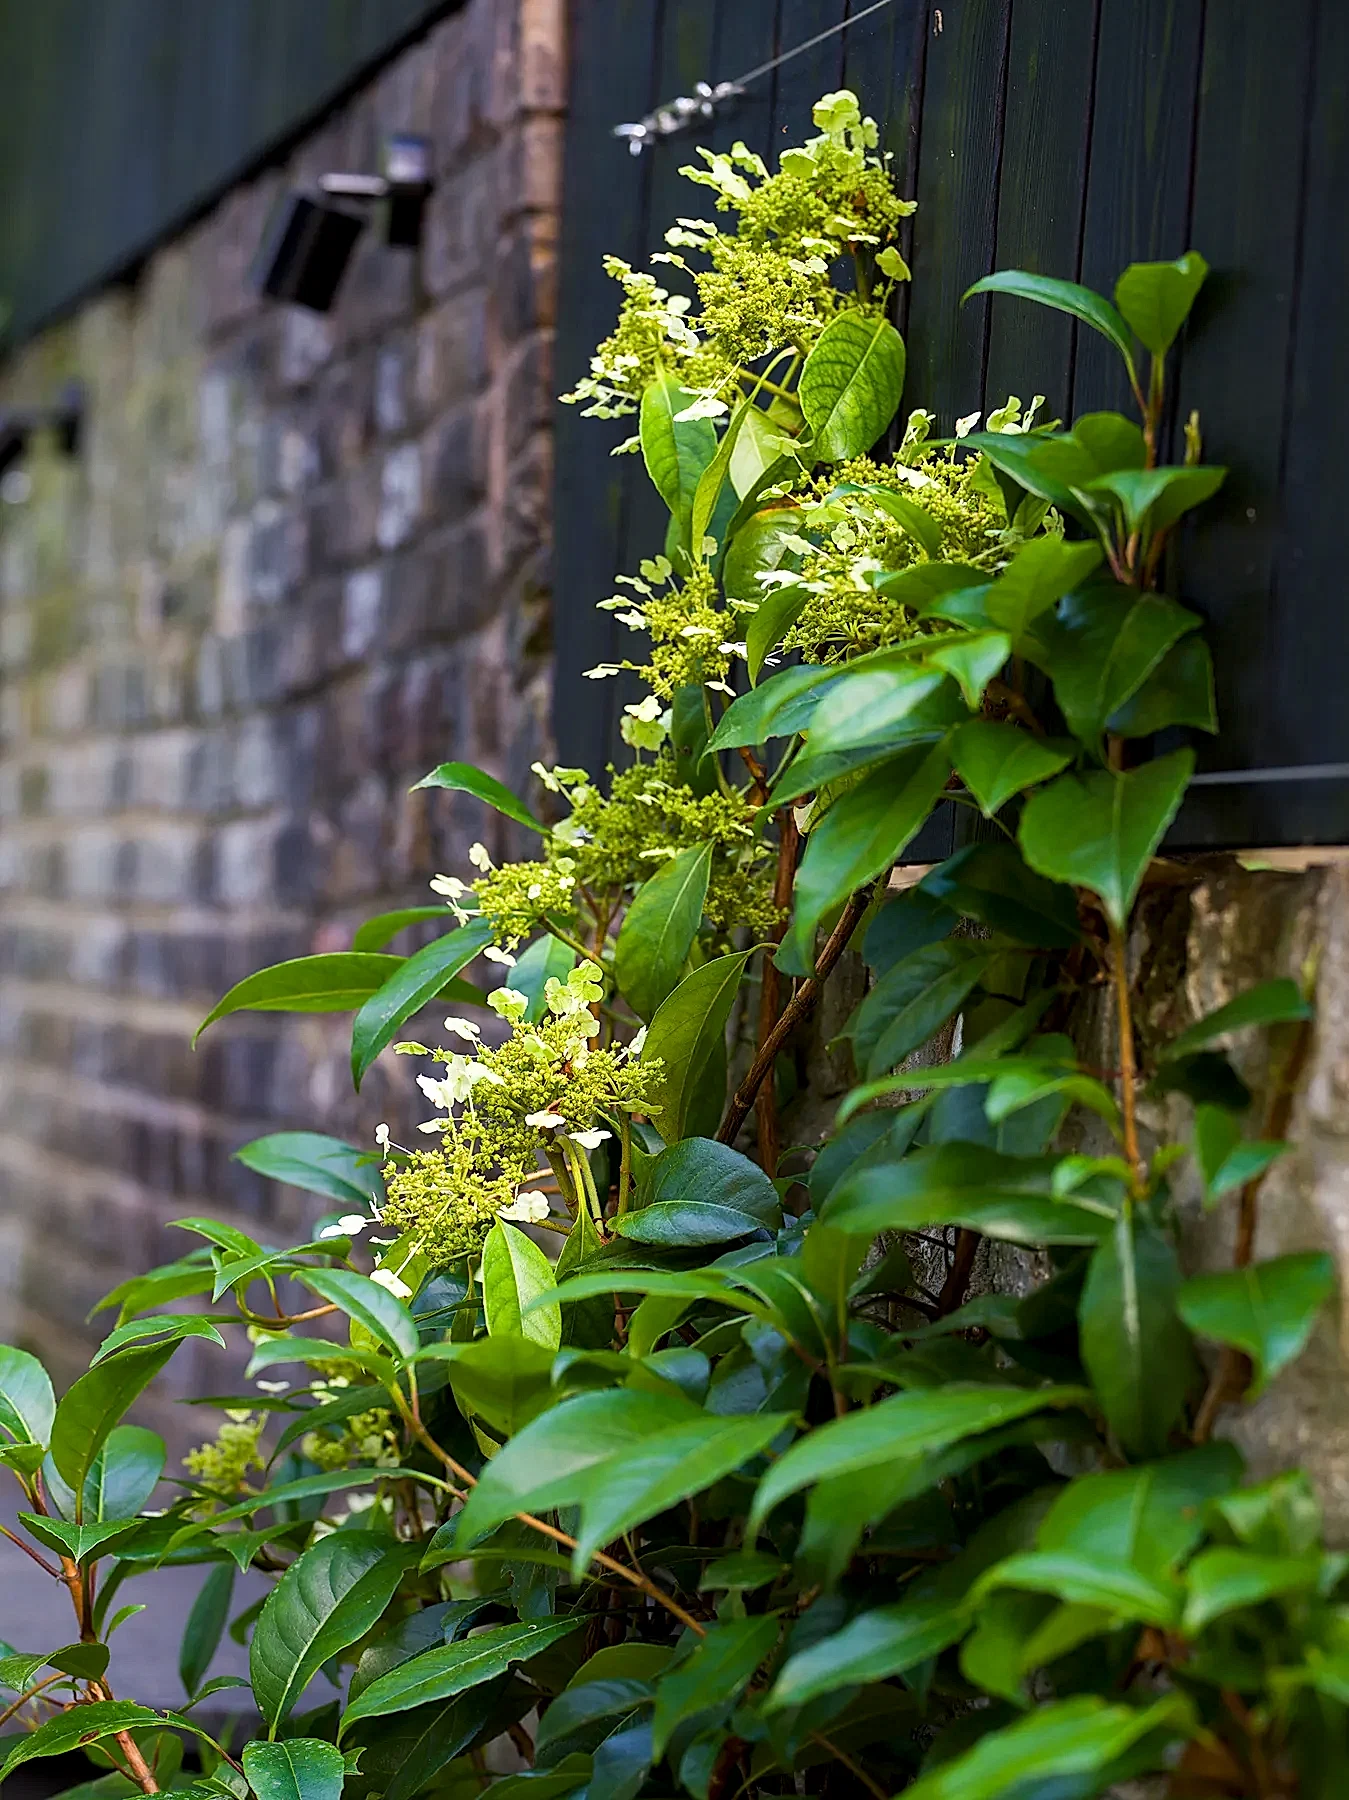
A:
(797, 1008)
(770, 990)
(1128, 1078)
(952, 1295)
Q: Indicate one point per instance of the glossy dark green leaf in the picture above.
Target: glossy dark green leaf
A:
(515, 1272)
(676, 451)
(335, 982)
(1266, 1309)
(547, 957)
(690, 728)
(850, 384)
(996, 761)
(506, 1381)
(916, 520)
(869, 706)
(713, 479)
(925, 586)
(659, 928)
(916, 1424)
(166, 1327)
(1179, 691)
(329, 1597)
(702, 1169)
(1099, 830)
(1226, 1159)
(711, 1678)
(424, 975)
(1098, 444)
(901, 924)
(860, 837)
(1101, 647)
(783, 704)
(1040, 573)
(1154, 499)
(973, 662)
(1277, 1002)
(1222, 1580)
(885, 1641)
(778, 611)
(1010, 1197)
(298, 1769)
(376, 933)
(1155, 299)
(316, 1163)
(688, 1034)
(95, 1403)
(463, 778)
(80, 1726)
(1134, 1345)
(387, 1319)
(914, 999)
(81, 1543)
(758, 549)
(454, 1668)
(120, 1481)
(1081, 303)
(676, 1223)
(205, 1626)
(990, 882)
(27, 1403)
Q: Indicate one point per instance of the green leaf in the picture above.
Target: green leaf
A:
(757, 548)
(861, 836)
(27, 1403)
(1179, 691)
(1227, 1160)
(1134, 1346)
(937, 588)
(1153, 499)
(659, 929)
(991, 883)
(713, 478)
(916, 1424)
(1222, 1580)
(329, 1596)
(1081, 303)
(702, 1169)
(886, 1641)
(782, 705)
(1265, 1309)
(453, 1668)
(1155, 298)
(850, 384)
(675, 1224)
(299, 1769)
(167, 1327)
(121, 1480)
(1100, 649)
(79, 1542)
(973, 661)
(1082, 1736)
(95, 1403)
(777, 612)
(506, 1381)
(1041, 572)
(386, 1318)
(1009, 1197)
(688, 1034)
(914, 999)
(516, 1273)
(339, 981)
(916, 520)
(1099, 830)
(463, 778)
(548, 1463)
(711, 1678)
(375, 933)
(546, 958)
(871, 706)
(316, 1163)
(85, 1724)
(1276, 1002)
(411, 985)
(205, 1626)
(676, 451)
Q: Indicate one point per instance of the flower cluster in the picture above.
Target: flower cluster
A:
(223, 1466)
(501, 1112)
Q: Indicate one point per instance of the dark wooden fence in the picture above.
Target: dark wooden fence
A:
(121, 118)
(1069, 137)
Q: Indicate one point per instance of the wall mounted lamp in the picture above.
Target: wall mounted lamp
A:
(308, 239)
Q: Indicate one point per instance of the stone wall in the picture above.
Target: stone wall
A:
(299, 561)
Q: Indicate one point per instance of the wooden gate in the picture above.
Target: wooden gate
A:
(1070, 137)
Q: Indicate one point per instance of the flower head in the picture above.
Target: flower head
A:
(394, 1284)
(477, 855)
(526, 1209)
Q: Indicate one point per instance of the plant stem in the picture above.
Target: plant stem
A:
(565, 937)
(770, 991)
(1128, 1077)
(797, 1008)
(853, 1768)
(625, 1162)
(952, 1295)
(28, 1550)
(136, 1763)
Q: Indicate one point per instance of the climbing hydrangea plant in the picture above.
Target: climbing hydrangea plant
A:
(623, 1433)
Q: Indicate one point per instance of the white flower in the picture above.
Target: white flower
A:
(601, 671)
(547, 777)
(966, 425)
(382, 1136)
(272, 1387)
(634, 620)
(503, 957)
(637, 1045)
(448, 886)
(508, 1003)
(349, 1225)
(464, 1028)
(386, 1278)
(705, 407)
(526, 1208)
(589, 1140)
(544, 1121)
(477, 855)
(645, 710)
(733, 649)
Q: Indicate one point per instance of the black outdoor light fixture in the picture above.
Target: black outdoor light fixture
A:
(64, 418)
(308, 239)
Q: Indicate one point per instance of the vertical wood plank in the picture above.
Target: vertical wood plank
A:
(1050, 70)
(799, 83)
(602, 212)
(1138, 186)
(959, 151)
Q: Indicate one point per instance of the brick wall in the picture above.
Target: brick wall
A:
(299, 561)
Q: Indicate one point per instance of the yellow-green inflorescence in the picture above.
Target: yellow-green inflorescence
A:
(223, 1466)
(548, 1093)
